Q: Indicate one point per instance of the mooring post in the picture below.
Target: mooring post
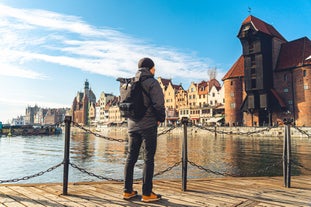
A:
(287, 153)
(184, 121)
(66, 154)
(289, 148)
(215, 131)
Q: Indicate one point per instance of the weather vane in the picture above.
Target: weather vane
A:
(249, 10)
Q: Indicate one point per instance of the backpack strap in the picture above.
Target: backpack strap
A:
(142, 79)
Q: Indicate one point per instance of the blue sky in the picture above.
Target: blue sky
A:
(49, 48)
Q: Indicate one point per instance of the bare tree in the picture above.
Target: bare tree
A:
(212, 72)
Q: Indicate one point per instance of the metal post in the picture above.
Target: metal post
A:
(215, 131)
(66, 154)
(184, 121)
(288, 157)
(285, 156)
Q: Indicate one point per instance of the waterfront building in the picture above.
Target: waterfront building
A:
(81, 104)
(30, 114)
(103, 100)
(97, 112)
(114, 113)
(270, 81)
(55, 115)
(18, 121)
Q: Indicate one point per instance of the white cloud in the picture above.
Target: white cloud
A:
(43, 36)
(13, 71)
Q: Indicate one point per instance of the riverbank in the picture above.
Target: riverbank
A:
(297, 132)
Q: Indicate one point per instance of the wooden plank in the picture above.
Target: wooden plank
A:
(56, 198)
(12, 198)
(55, 190)
(27, 191)
(225, 192)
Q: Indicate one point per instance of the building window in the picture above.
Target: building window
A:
(231, 94)
(232, 105)
(253, 83)
(285, 90)
(306, 87)
(231, 83)
(253, 61)
(290, 102)
(253, 71)
(285, 77)
(250, 46)
(304, 73)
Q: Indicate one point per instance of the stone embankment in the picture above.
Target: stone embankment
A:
(279, 131)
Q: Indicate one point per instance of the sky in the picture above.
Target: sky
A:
(49, 48)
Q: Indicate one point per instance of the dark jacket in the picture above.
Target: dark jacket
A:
(153, 98)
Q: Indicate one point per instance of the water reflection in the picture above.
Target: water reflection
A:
(240, 156)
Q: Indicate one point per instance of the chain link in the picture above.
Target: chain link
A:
(31, 176)
(93, 174)
(114, 139)
(166, 131)
(300, 165)
(233, 175)
(119, 180)
(302, 131)
(235, 133)
(97, 134)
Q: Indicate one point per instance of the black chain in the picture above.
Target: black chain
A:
(300, 165)
(99, 135)
(236, 133)
(167, 169)
(120, 180)
(228, 174)
(166, 131)
(93, 174)
(302, 131)
(31, 176)
(113, 139)
(208, 170)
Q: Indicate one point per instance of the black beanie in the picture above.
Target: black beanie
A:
(145, 63)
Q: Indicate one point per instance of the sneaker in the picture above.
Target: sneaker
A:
(150, 198)
(127, 196)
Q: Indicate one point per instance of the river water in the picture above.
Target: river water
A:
(215, 156)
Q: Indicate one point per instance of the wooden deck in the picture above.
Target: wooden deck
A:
(222, 192)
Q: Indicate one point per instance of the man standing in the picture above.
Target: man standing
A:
(143, 133)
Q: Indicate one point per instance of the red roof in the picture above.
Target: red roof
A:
(165, 82)
(294, 54)
(263, 27)
(237, 70)
(214, 82)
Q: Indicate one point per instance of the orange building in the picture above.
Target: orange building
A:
(271, 80)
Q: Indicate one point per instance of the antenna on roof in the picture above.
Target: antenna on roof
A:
(249, 10)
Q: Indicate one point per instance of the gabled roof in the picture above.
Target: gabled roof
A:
(294, 54)
(214, 82)
(263, 27)
(165, 82)
(237, 70)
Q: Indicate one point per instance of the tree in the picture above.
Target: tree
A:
(212, 72)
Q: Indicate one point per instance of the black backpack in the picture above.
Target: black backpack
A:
(132, 100)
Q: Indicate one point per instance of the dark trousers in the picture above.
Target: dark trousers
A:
(148, 140)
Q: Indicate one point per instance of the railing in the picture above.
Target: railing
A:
(286, 159)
